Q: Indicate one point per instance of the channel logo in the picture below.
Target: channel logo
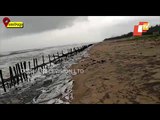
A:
(140, 28)
(11, 24)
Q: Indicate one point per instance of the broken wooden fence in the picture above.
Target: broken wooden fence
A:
(18, 73)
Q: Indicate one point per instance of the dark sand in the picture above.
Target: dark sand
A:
(118, 72)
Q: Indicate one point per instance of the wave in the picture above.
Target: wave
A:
(25, 51)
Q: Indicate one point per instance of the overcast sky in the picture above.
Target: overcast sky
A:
(45, 31)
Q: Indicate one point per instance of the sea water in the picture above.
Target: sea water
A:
(60, 89)
(11, 58)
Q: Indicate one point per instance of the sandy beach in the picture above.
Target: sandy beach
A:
(119, 72)
(80, 60)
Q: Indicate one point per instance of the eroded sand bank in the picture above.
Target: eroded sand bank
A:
(119, 72)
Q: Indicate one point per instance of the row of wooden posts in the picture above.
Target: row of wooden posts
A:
(18, 73)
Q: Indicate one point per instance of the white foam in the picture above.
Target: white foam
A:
(60, 90)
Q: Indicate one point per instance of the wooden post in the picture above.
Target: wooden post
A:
(22, 70)
(19, 70)
(49, 59)
(11, 76)
(43, 61)
(21, 66)
(35, 67)
(29, 65)
(33, 63)
(25, 66)
(37, 63)
(2, 81)
(43, 58)
(16, 75)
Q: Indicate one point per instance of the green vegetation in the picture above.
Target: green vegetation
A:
(146, 35)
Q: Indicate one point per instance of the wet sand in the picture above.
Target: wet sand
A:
(119, 72)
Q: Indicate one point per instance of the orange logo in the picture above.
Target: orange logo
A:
(140, 28)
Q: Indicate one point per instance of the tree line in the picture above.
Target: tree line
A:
(152, 29)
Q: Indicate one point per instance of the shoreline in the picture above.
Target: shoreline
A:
(53, 86)
(119, 72)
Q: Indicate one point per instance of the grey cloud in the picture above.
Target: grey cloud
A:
(92, 31)
(36, 24)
